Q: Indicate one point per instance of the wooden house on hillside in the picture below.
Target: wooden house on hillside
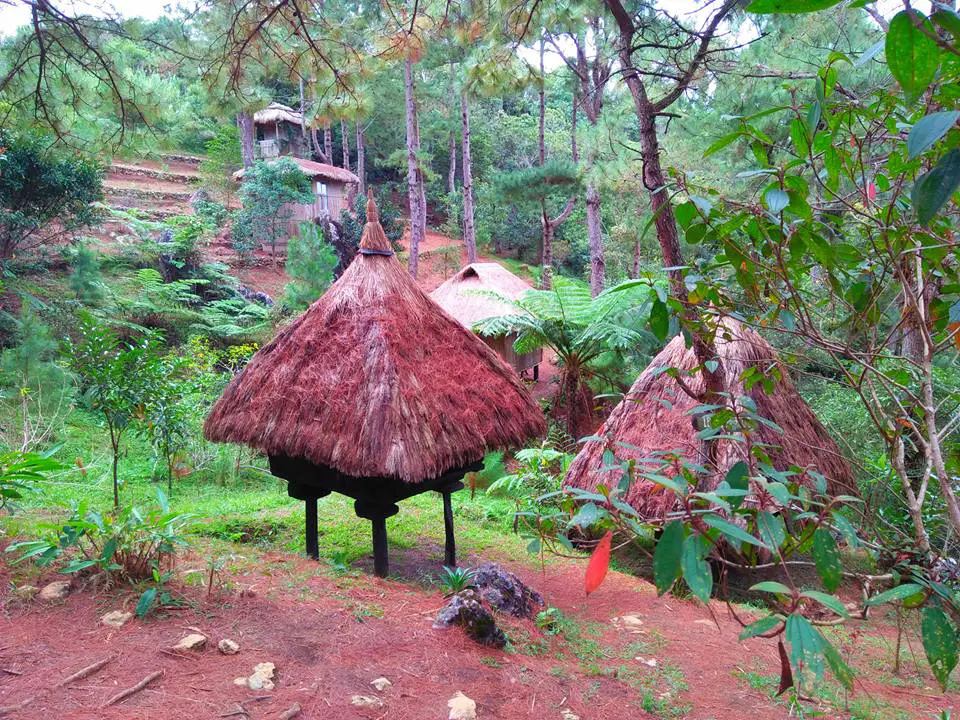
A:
(470, 297)
(334, 190)
(279, 130)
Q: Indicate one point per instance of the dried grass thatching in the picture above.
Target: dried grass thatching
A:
(277, 112)
(470, 295)
(653, 417)
(375, 380)
(316, 170)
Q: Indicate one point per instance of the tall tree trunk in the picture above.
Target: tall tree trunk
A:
(245, 125)
(361, 159)
(469, 233)
(598, 265)
(317, 150)
(328, 143)
(452, 172)
(345, 144)
(546, 248)
(413, 172)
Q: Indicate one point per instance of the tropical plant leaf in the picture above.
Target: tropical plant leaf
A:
(932, 190)
(666, 556)
(826, 558)
(912, 55)
(939, 643)
(599, 563)
(929, 129)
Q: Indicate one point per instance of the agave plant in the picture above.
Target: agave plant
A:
(579, 328)
(455, 580)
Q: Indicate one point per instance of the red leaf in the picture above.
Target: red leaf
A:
(786, 674)
(871, 191)
(599, 562)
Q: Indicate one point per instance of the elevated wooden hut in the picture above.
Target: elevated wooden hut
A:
(469, 297)
(654, 417)
(279, 130)
(376, 393)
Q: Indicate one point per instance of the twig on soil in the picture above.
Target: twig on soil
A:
(124, 694)
(87, 671)
(292, 712)
(238, 711)
(9, 709)
(8, 671)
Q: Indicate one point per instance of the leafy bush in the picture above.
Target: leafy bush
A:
(22, 472)
(268, 190)
(39, 185)
(311, 261)
(85, 279)
(127, 544)
(455, 580)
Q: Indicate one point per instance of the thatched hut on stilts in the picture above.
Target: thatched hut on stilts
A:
(376, 393)
(655, 417)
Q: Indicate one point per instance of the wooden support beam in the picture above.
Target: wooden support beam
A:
(313, 543)
(381, 561)
(450, 546)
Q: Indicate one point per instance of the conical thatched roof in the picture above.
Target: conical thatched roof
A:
(467, 296)
(375, 380)
(653, 417)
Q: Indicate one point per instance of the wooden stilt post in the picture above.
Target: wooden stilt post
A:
(381, 561)
(450, 546)
(313, 544)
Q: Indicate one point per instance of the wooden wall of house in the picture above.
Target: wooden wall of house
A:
(503, 345)
(337, 200)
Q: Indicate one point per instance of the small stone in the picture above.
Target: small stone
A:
(228, 647)
(193, 641)
(466, 609)
(262, 677)
(462, 707)
(366, 701)
(57, 590)
(116, 618)
(568, 714)
(651, 662)
(381, 684)
(628, 623)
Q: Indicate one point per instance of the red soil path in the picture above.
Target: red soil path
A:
(329, 637)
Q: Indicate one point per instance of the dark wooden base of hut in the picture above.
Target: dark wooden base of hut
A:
(375, 499)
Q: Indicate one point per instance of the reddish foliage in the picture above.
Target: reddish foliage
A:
(599, 562)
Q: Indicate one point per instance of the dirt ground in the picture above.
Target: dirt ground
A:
(330, 636)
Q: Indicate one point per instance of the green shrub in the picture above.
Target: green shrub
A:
(311, 261)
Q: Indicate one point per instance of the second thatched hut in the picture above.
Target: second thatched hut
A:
(473, 295)
(654, 417)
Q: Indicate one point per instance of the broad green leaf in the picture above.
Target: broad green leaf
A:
(666, 556)
(659, 319)
(932, 191)
(738, 478)
(771, 586)
(826, 557)
(146, 602)
(721, 143)
(912, 56)
(761, 626)
(900, 592)
(733, 532)
(776, 200)
(807, 645)
(798, 135)
(930, 129)
(828, 601)
(841, 671)
(948, 19)
(696, 570)
(772, 530)
(766, 7)
(939, 643)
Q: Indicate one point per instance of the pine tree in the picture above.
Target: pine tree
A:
(311, 260)
(85, 279)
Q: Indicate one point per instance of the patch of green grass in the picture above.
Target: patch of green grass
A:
(491, 662)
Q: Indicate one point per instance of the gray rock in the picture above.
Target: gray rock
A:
(367, 701)
(57, 590)
(466, 609)
(228, 647)
(505, 592)
(462, 707)
(193, 641)
(381, 684)
(116, 618)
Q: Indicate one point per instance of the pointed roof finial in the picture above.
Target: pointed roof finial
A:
(373, 215)
(374, 241)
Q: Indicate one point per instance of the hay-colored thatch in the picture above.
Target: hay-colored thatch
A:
(375, 380)
(277, 112)
(316, 170)
(468, 295)
(653, 417)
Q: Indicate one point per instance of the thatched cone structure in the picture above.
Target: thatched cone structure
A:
(376, 393)
(471, 296)
(654, 417)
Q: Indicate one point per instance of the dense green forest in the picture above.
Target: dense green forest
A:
(675, 184)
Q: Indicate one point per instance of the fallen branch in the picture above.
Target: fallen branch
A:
(124, 694)
(291, 713)
(87, 671)
(8, 671)
(9, 709)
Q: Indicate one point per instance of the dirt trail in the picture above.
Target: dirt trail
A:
(331, 636)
